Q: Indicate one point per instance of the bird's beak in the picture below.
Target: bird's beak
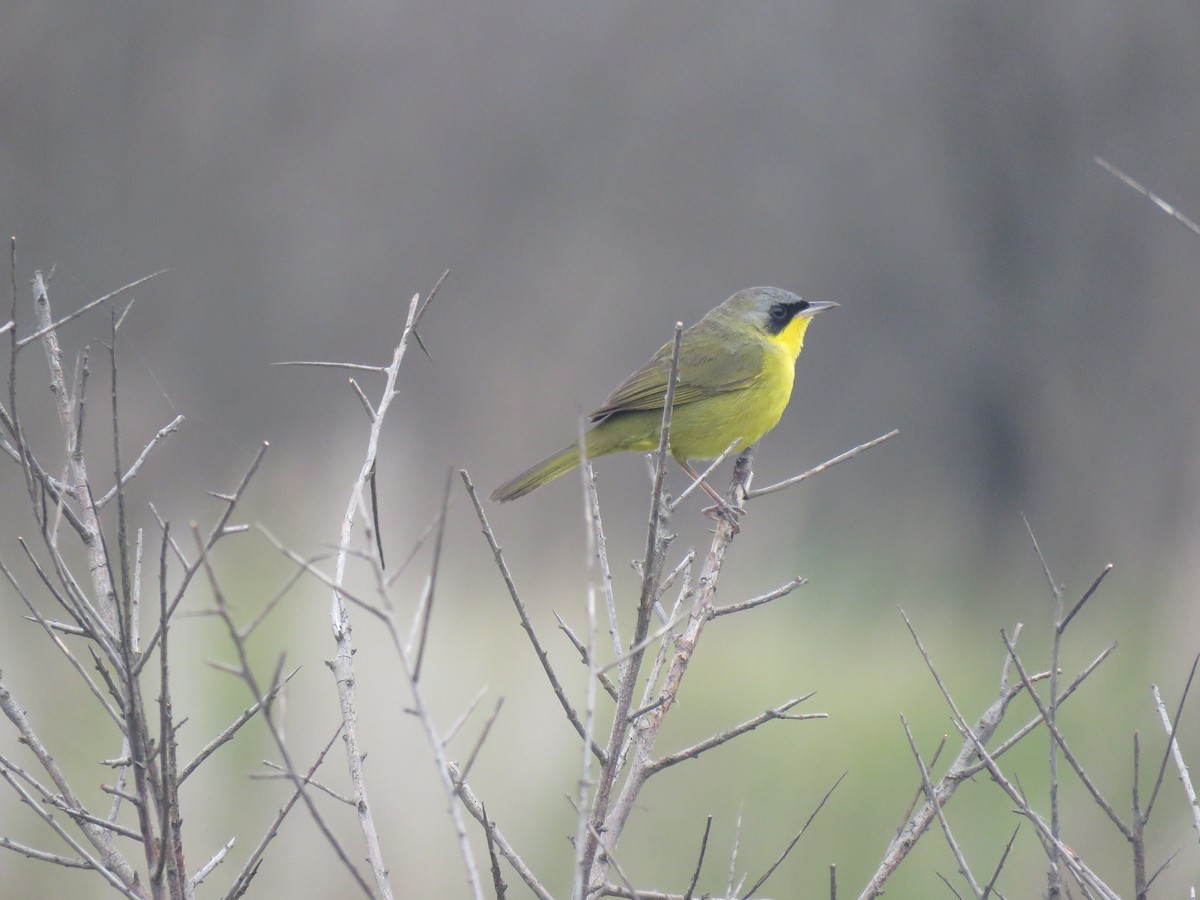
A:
(816, 306)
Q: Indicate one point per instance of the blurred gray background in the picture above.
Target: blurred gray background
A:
(591, 173)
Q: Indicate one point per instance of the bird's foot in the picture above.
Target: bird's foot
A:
(731, 514)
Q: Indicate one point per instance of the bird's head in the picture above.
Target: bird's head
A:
(772, 313)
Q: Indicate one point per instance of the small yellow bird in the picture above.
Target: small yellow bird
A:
(736, 370)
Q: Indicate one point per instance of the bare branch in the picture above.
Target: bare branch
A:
(234, 727)
(42, 855)
(431, 592)
(1074, 864)
(219, 530)
(1147, 193)
(100, 696)
(242, 882)
(961, 768)
(497, 877)
(788, 849)
(1037, 720)
(716, 740)
(475, 808)
(204, 871)
(82, 815)
(1185, 777)
(1058, 738)
(343, 661)
(779, 592)
(963, 868)
(117, 882)
(115, 869)
(281, 774)
(47, 327)
(487, 727)
(354, 367)
(648, 725)
(687, 895)
(526, 624)
(164, 432)
(246, 673)
(817, 470)
(990, 887)
(684, 566)
(1087, 595)
(372, 415)
(605, 681)
(712, 467)
(1171, 745)
(600, 555)
(462, 718)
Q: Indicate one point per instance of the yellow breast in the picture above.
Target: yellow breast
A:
(704, 429)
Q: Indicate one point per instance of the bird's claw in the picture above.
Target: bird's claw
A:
(731, 514)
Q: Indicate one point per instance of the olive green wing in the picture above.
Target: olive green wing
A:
(706, 367)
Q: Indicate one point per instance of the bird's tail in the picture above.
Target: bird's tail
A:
(541, 473)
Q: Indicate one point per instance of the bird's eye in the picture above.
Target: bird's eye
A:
(779, 312)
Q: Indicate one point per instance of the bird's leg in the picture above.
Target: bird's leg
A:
(722, 509)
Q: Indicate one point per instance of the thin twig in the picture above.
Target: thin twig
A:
(1037, 720)
(75, 845)
(526, 624)
(205, 870)
(605, 681)
(590, 864)
(116, 869)
(427, 610)
(816, 470)
(162, 433)
(246, 673)
(462, 718)
(342, 664)
(281, 774)
(1171, 737)
(788, 849)
(927, 783)
(475, 808)
(596, 530)
(712, 467)
(52, 326)
(44, 856)
(1050, 711)
(1087, 595)
(233, 728)
(989, 888)
(1058, 739)
(1074, 864)
(100, 696)
(1185, 777)
(962, 767)
(497, 877)
(250, 869)
(716, 740)
(687, 895)
(354, 367)
(483, 735)
(1147, 193)
(920, 791)
(779, 592)
(219, 530)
